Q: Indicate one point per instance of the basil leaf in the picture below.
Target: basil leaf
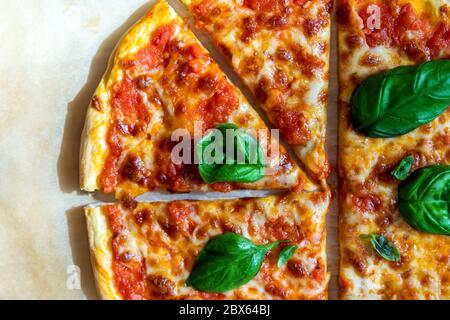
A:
(246, 163)
(401, 172)
(383, 246)
(227, 262)
(424, 199)
(396, 102)
(286, 254)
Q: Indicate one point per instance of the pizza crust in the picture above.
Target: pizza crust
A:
(94, 147)
(100, 237)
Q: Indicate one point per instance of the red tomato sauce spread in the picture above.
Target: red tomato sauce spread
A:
(129, 274)
(427, 40)
(128, 108)
(219, 107)
(187, 72)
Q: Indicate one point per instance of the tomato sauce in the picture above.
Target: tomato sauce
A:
(128, 277)
(128, 107)
(151, 56)
(440, 40)
(262, 5)
(219, 107)
(396, 29)
(293, 126)
(178, 212)
(367, 203)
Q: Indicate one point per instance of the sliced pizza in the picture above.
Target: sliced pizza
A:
(280, 49)
(162, 83)
(394, 149)
(266, 248)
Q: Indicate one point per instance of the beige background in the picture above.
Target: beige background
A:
(52, 56)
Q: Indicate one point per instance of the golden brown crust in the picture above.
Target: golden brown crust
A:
(100, 237)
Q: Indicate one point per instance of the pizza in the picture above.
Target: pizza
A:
(161, 82)
(375, 38)
(147, 251)
(280, 49)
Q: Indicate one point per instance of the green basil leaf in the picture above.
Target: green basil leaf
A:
(286, 254)
(383, 246)
(245, 164)
(424, 199)
(396, 102)
(401, 172)
(228, 262)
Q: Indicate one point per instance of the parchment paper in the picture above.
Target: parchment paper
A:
(53, 54)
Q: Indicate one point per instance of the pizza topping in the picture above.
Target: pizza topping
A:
(383, 247)
(367, 202)
(356, 261)
(227, 262)
(440, 40)
(154, 249)
(162, 286)
(286, 254)
(412, 32)
(310, 65)
(293, 125)
(128, 272)
(315, 26)
(402, 171)
(245, 164)
(276, 290)
(151, 56)
(424, 199)
(129, 115)
(219, 107)
(178, 213)
(280, 228)
(297, 269)
(143, 82)
(128, 104)
(134, 170)
(281, 71)
(109, 178)
(425, 94)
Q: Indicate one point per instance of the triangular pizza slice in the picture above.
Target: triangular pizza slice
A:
(161, 84)
(266, 248)
(280, 49)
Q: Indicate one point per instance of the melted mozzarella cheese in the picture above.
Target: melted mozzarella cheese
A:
(305, 94)
(170, 253)
(162, 100)
(369, 203)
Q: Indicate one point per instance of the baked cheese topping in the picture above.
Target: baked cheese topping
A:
(410, 32)
(150, 249)
(161, 79)
(280, 48)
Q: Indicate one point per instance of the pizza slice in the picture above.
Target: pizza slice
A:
(162, 88)
(266, 248)
(280, 49)
(394, 120)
